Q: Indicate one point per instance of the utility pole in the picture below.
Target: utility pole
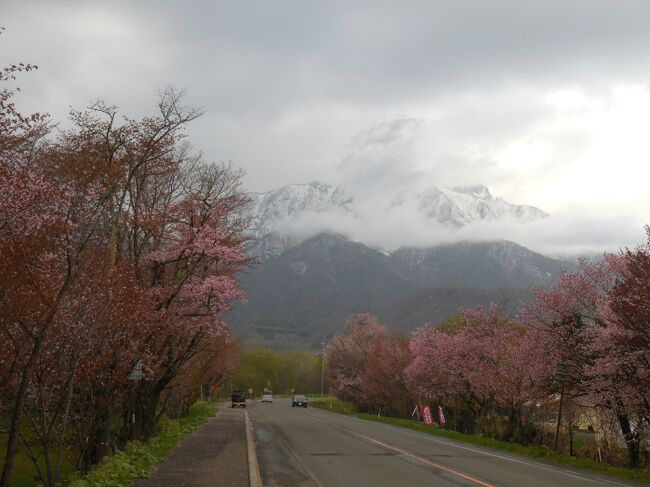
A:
(563, 375)
(322, 369)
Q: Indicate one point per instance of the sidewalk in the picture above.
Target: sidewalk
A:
(215, 455)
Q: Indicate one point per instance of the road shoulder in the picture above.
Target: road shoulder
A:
(278, 462)
(216, 454)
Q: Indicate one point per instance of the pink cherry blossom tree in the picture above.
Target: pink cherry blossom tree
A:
(348, 355)
(580, 329)
(484, 362)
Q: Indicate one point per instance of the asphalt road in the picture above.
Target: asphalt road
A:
(312, 447)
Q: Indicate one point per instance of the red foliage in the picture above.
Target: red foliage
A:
(366, 365)
(383, 382)
(348, 354)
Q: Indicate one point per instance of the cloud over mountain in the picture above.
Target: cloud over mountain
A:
(424, 217)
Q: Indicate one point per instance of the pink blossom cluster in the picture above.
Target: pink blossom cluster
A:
(586, 338)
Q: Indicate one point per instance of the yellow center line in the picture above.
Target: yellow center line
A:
(424, 460)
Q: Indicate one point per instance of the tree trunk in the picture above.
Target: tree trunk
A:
(631, 440)
(512, 424)
(149, 418)
(24, 382)
(64, 425)
(99, 442)
(17, 415)
(523, 427)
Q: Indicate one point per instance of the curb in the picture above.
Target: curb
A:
(254, 476)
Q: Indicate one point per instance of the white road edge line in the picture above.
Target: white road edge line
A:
(254, 476)
(540, 465)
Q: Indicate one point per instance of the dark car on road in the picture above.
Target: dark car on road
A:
(238, 399)
(298, 400)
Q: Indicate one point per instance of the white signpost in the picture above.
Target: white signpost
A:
(137, 373)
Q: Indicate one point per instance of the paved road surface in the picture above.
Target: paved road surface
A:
(312, 447)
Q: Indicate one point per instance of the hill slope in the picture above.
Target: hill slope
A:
(302, 296)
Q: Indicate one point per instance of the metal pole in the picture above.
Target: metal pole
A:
(322, 370)
(559, 417)
(133, 415)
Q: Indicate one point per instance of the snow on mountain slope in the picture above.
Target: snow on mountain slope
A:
(485, 265)
(462, 205)
(274, 207)
(451, 208)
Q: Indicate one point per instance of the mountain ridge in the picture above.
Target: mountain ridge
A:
(303, 295)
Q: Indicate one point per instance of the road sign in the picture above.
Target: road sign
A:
(136, 373)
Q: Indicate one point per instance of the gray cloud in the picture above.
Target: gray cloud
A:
(265, 58)
(382, 157)
(374, 95)
(564, 235)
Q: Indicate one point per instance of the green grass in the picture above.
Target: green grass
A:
(138, 460)
(24, 473)
(538, 452)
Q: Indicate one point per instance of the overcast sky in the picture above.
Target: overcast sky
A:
(545, 102)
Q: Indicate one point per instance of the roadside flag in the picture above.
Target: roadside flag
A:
(426, 414)
(441, 416)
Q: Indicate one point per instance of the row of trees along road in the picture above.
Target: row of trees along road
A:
(119, 246)
(585, 342)
(281, 371)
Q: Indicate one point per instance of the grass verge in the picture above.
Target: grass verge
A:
(137, 460)
(537, 452)
(24, 473)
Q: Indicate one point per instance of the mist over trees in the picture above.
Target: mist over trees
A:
(120, 248)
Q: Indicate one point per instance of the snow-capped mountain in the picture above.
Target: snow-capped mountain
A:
(453, 208)
(459, 206)
(289, 202)
(311, 277)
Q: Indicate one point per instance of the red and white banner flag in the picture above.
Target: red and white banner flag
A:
(426, 414)
(441, 416)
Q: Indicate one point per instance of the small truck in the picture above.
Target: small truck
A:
(238, 399)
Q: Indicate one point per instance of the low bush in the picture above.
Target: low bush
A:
(138, 460)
